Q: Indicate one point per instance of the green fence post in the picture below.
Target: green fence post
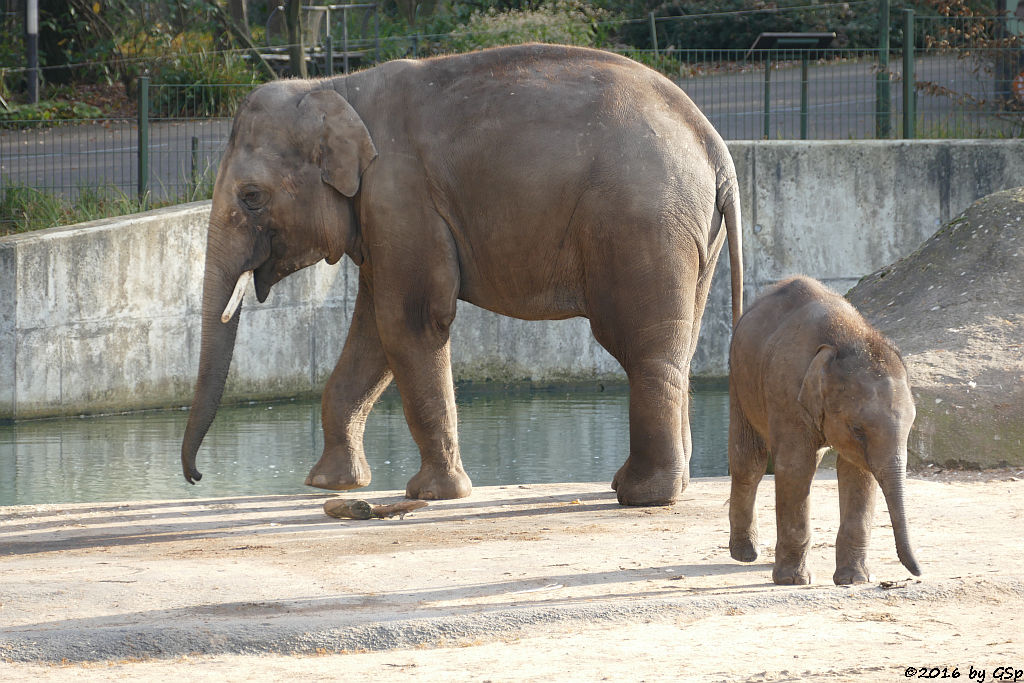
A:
(909, 113)
(803, 96)
(376, 34)
(654, 34)
(194, 175)
(767, 94)
(883, 101)
(344, 39)
(143, 181)
(328, 55)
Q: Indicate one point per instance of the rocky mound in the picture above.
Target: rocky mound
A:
(955, 308)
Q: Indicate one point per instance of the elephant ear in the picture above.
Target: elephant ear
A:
(344, 148)
(812, 391)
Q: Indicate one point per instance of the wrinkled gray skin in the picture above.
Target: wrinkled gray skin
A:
(807, 371)
(539, 182)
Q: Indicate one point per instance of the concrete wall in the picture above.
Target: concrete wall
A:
(104, 316)
(839, 210)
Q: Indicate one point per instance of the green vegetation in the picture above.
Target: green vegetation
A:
(570, 22)
(201, 59)
(47, 112)
(23, 209)
(191, 43)
(200, 84)
(958, 127)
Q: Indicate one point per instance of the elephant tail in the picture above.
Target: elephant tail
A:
(729, 207)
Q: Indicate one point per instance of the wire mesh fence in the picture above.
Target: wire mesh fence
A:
(969, 77)
(965, 80)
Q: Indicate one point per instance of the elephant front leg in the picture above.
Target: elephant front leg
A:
(748, 460)
(856, 511)
(358, 379)
(422, 367)
(415, 311)
(795, 463)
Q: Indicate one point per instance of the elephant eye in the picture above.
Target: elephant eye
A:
(858, 433)
(253, 197)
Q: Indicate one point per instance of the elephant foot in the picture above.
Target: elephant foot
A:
(339, 471)
(651, 489)
(846, 576)
(798, 576)
(744, 549)
(433, 484)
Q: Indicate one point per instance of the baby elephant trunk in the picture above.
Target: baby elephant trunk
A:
(892, 481)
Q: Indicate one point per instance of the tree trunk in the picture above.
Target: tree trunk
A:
(296, 53)
(242, 35)
(239, 11)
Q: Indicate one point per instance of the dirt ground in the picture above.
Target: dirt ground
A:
(516, 583)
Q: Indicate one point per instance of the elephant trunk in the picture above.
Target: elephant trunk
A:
(216, 349)
(893, 482)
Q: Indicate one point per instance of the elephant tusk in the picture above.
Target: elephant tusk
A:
(236, 296)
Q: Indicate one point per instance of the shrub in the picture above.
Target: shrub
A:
(200, 84)
(47, 112)
(569, 22)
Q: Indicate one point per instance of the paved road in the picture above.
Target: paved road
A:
(841, 99)
(841, 105)
(70, 157)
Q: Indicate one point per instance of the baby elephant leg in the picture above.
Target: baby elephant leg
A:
(856, 510)
(748, 460)
(794, 470)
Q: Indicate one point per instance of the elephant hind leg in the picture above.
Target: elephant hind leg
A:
(748, 460)
(656, 471)
(647, 327)
(358, 379)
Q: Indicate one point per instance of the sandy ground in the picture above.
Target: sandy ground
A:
(516, 583)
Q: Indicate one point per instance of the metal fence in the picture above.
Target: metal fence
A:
(946, 87)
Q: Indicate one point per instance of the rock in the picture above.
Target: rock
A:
(955, 308)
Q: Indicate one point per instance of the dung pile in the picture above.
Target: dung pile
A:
(955, 308)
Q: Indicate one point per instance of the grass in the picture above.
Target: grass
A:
(23, 209)
(957, 126)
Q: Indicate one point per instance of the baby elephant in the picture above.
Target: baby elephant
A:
(807, 371)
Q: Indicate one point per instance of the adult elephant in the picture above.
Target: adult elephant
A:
(538, 181)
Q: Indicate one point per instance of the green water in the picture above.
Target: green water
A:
(505, 438)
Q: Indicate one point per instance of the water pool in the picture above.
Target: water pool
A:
(505, 438)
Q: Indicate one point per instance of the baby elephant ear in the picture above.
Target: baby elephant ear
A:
(812, 391)
(342, 147)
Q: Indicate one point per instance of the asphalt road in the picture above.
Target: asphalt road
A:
(67, 158)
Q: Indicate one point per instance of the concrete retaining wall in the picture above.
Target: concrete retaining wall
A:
(104, 316)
